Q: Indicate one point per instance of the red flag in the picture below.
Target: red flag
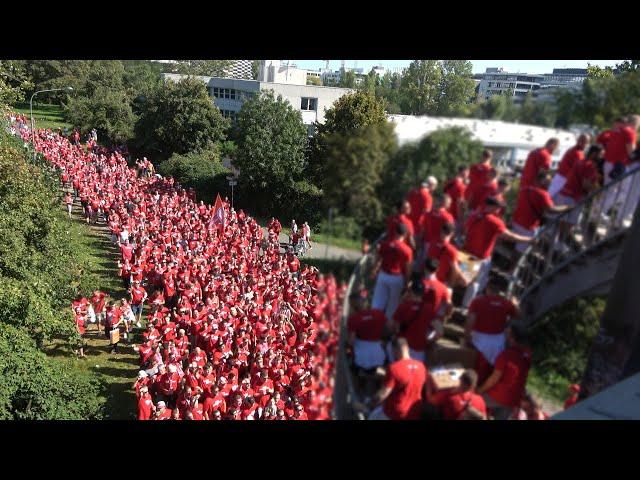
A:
(218, 208)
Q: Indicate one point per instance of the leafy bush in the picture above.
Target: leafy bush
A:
(201, 170)
(35, 387)
(561, 342)
(341, 227)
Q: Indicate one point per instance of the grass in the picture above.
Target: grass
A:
(117, 372)
(45, 116)
(548, 386)
(346, 243)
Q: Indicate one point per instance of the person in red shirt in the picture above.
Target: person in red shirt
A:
(484, 328)
(534, 202)
(570, 158)
(446, 256)
(392, 271)
(145, 404)
(431, 222)
(483, 229)
(366, 327)
(68, 200)
(461, 403)
(621, 141)
(530, 409)
(488, 189)
(414, 321)
(138, 296)
(402, 217)
(478, 174)
(400, 398)
(421, 201)
(572, 399)
(456, 188)
(537, 161)
(81, 329)
(505, 387)
(162, 412)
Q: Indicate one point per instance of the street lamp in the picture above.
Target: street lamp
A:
(33, 135)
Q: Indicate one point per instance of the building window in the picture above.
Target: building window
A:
(309, 103)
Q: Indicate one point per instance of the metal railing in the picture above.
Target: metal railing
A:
(594, 221)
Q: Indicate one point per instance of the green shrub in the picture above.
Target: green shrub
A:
(341, 227)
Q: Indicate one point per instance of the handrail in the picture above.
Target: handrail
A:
(591, 228)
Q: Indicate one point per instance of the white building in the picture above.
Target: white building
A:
(496, 81)
(510, 142)
(229, 94)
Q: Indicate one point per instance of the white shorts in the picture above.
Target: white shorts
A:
(368, 354)
(557, 183)
(490, 345)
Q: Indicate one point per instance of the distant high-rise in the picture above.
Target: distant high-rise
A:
(240, 69)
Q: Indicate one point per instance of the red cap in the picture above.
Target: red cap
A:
(574, 387)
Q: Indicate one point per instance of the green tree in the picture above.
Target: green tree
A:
(534, 112)
(349, 113)
(420, 87)
(317, 81)
(255, 69)
(201, 170)
(355, 161)
(271, 143)
(177, 118)
(439, 154)
(456, 87)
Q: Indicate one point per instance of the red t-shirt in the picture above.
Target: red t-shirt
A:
(415, 317)
(367, 324)
(616, 146)
(137, 294)
(533, 202)
(456, 190)
(455, 405)
(570, 158)
(514, 364)
(481, 193)
(447, 256)
(145, 405)
(436, 294)
(394, 220)
(421, 202)
(431, 224)
(538, 160)
(482, 231)
(406, 380)
(492, 313)
(586, 171)
(395, 256)
(571, 401)
(478, 176)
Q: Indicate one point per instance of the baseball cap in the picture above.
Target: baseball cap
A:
(161, 404)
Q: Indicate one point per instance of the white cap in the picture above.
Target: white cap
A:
(161, 404)
(142, 374)
(431, 180)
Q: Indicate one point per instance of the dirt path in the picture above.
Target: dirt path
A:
(323, 251)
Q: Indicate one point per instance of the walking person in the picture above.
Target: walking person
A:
(392, 271)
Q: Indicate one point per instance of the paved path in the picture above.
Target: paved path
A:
(319, 250)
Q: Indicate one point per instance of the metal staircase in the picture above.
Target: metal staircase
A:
(576, 253)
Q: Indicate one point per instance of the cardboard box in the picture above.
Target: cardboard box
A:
(114, 336)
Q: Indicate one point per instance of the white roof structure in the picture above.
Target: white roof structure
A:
(492, 133)
(518, 137)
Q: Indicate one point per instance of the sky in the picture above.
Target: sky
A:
(479, 66)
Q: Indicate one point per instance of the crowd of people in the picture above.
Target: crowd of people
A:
(233, 329)
(236, 330)
(419, 263)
